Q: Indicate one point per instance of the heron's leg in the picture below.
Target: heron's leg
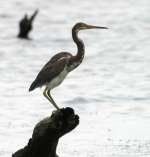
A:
(46, 93)
(52, 101)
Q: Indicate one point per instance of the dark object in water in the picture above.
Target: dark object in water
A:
(47, 132)
(25, 25)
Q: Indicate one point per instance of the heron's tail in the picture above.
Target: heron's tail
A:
(33, 86)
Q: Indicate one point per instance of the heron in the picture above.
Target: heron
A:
(56, 69)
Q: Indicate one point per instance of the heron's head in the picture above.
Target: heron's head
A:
(80, 26)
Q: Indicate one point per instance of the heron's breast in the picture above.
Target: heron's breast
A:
(58, 79)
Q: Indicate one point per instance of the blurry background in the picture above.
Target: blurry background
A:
(110, 90)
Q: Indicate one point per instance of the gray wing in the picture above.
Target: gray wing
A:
(48, 72)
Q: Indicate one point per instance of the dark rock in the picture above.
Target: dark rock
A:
(47, 132)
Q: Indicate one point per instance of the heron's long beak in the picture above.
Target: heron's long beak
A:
(92, 27)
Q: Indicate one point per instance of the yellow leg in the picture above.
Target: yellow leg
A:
(47, 94)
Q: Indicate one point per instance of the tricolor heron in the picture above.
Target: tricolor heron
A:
(57, 68)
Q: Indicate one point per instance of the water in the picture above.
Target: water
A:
(110, 90)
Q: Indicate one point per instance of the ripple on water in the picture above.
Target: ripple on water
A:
(78, 100)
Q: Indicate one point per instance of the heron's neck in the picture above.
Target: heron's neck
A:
(80, 46)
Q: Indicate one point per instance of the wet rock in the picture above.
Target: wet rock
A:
(47, 132)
